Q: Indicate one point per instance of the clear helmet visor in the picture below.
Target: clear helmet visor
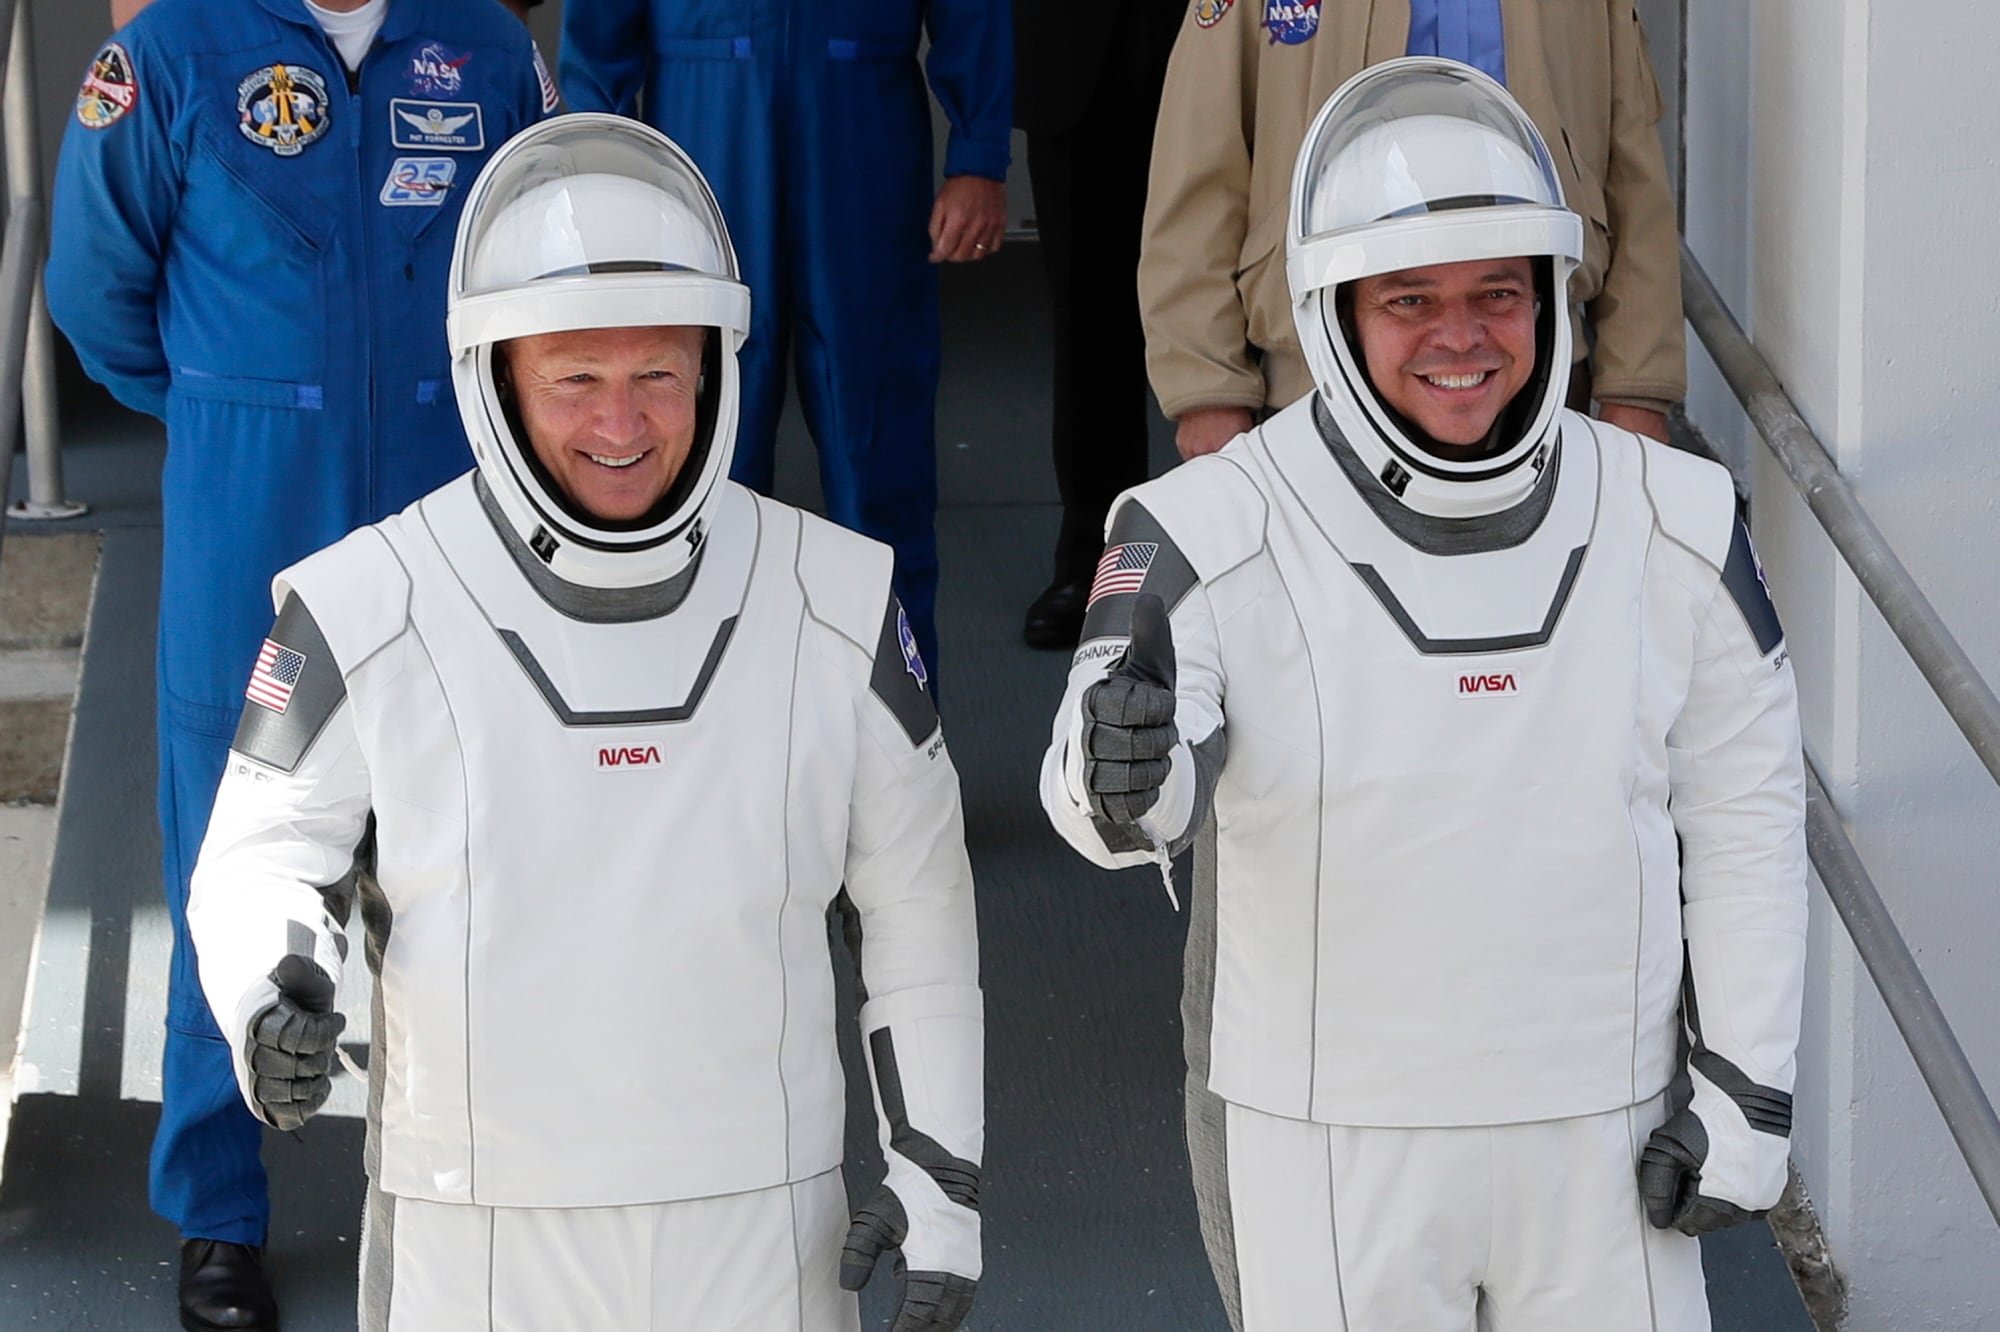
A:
(592, 221)
(1397, 153)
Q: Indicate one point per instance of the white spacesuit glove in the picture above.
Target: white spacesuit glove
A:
(925, 1057)
(290, 1045)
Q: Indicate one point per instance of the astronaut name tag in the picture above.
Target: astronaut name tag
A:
(419, 182)
(451, 127)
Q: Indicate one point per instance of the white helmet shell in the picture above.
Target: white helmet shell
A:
(1415, 162)
(595, 221)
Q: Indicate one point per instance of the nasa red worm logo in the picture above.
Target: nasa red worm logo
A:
(1488, 686)
(620, 758)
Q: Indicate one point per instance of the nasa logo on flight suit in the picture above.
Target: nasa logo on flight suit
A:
(1208, 13)
(1292, 22)
(283, 108)
(436, 72)
(109, 90)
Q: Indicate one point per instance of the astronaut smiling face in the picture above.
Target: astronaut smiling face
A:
(1449, 345)
(609, 412)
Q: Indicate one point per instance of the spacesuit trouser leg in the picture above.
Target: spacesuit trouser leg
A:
(206, 1176)
(1516, 1228)
(762, 1261)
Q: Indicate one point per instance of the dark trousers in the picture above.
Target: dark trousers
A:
(1090, 200)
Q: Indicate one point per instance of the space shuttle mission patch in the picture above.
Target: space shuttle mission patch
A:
(283, 108)
(1208, 13)
(110, 89)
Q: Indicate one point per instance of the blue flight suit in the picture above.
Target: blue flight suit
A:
(253, 245)
(811, 121)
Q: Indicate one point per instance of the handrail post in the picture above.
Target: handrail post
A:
(40, 420)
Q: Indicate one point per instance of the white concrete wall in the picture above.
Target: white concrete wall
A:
(1841, 190)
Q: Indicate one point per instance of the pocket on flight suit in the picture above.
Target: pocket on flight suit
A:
(261, 223)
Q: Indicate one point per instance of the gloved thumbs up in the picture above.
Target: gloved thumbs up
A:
(1128, 716)
(303, 982)
(1149, 657)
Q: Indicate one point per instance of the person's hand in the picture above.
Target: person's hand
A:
(969, 220)
(1206, 429)
(1128, 720)
(1639, 420)
(929, 1301)
(1670, 1180)
(291, 1050)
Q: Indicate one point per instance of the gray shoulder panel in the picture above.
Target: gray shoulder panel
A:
(1743, 576)
(1140, 556)
(293, 691)
(900, 678)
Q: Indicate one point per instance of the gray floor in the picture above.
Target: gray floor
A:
(1089, 1220)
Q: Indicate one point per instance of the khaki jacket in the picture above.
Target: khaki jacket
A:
(1212, 289)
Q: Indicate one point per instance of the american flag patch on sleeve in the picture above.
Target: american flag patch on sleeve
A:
(275, 676)
(1123, 568)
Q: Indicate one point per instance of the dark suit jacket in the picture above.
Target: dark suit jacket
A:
(1063, 47)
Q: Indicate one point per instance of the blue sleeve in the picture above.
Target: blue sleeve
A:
(971, 67)
(606, 45)
(117, 188)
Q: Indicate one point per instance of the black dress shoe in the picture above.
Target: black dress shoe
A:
(1056, 617)
(223, 1288)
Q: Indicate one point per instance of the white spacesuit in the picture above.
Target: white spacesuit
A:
(594, 786)
(1442, 720)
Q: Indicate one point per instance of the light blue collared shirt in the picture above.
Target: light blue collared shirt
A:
(1466, 30)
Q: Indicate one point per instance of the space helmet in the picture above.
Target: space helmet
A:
(594, 221)
(1414, 162)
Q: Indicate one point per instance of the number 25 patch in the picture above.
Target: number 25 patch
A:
(421, 182)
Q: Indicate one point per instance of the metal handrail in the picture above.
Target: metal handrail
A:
(29, 369)
(1968, 1111)
(1911, 617)
(20, 255)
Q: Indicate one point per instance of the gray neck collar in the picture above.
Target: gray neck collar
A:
(1441, 536)
(592, 605)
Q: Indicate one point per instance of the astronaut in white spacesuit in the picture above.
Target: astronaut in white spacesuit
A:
(593, 737)
(1432, 672)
